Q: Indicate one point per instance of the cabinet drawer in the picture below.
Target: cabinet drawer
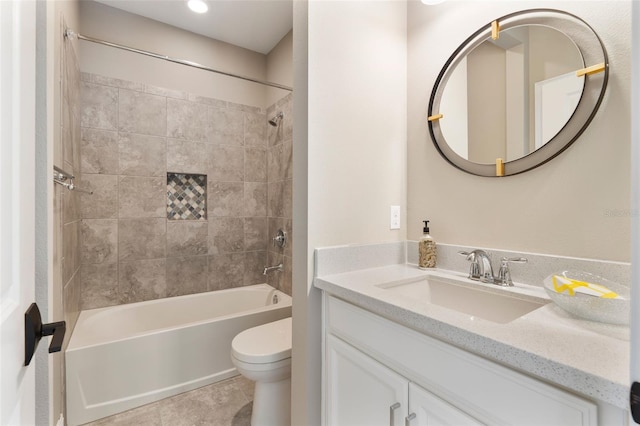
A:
(485, 390)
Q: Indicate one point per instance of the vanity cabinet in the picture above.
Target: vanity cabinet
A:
(370, 364)
(362, 391)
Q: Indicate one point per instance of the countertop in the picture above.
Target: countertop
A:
(589, 358)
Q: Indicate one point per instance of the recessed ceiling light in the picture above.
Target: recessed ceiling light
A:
(198, 6)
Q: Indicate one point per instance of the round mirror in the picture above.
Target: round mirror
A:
(518, 92)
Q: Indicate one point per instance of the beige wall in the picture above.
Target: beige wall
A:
(280, 68)
(352, 166)
(577, 204)
(103, 22)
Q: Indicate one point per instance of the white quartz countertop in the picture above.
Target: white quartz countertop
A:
(589, 358)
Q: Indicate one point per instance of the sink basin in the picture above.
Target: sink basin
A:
(496, 305)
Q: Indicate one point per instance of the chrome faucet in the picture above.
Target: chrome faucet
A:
(268, 269)
(481, 269)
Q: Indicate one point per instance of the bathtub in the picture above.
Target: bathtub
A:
(125, 356)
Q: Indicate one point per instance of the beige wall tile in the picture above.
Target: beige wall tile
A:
(226, 235)
(187, 120)
(99, 151)
(227, 163)
(188, 156)
(141, 155)
(255, 261)
(225, 199)
(142, 113)
(142, 280)
(186, 275)
(99, 106)
(142, 239)
(255, 130)
(255, 233)
(255, 199)
(103, 203)
(226, 271)
(187, 238)
(99, 285)
(99, 240)
(142, 197)
(255, 165)
(227, 126)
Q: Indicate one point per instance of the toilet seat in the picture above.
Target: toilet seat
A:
(264, 344)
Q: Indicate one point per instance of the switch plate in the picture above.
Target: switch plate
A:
(395, 218)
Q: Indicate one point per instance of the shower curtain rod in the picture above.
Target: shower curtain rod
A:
(71, 34)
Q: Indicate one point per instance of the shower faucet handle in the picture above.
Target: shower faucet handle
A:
(280, 240)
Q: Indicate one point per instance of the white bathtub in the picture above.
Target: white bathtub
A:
(126, 356)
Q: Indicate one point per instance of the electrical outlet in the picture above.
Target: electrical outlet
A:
(395, 218)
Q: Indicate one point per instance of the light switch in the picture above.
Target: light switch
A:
(395, 217)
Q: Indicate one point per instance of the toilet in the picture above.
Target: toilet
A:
(263, 354)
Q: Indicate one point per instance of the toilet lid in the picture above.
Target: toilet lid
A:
(264, 344)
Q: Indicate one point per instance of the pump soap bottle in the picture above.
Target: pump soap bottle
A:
(426, 249)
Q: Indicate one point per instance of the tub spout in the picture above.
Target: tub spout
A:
(268, 269)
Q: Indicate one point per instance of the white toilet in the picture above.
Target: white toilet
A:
(263, 354)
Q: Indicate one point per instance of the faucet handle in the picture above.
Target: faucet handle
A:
(504, 274)
(474, 268)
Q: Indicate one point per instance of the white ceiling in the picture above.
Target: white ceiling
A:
(257, 25)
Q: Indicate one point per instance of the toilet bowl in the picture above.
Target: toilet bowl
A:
(263, 354)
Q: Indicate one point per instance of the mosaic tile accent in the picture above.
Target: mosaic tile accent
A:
(186, 196)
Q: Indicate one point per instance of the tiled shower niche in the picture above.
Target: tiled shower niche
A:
(186, 196)
(133, 135)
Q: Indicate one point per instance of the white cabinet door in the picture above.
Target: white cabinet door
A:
(430, 410)
(360, 390)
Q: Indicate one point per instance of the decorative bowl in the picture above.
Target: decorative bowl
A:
(594, 308)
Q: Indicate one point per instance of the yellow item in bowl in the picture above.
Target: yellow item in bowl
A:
(570, 286)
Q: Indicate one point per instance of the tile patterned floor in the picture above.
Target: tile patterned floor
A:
(226, 403)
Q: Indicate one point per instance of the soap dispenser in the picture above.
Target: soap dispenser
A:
(426, 249)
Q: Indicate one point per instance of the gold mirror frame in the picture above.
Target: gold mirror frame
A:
(596, 77)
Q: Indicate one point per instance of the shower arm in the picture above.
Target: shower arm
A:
(68, 33)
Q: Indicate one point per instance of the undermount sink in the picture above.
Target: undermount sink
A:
(492, 304)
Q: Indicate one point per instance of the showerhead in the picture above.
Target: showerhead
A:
(276, 119)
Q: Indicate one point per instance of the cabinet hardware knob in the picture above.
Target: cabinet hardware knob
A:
(407, 420)
(392, 409)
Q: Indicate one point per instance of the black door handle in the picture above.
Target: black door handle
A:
(34, 329)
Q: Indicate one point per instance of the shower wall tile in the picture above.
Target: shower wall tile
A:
(255, 165)
(187, 238)
(142, 113)
(70, 243)
(226, 271)
(116, 82)
(186, 275)
(187, 120)
(142, 155)
(227, 126)
(287, 276)
(217, 103)
(255, 261)
(255, 199)
(64, 151)
(280, 161)
(142, 280)
(280, 199)
(99, 285)
(130, 251)
(255, 233)
(103, 203)
(255, 129)
(188, 157)
(142, 197)
(226, 235)
(99, 106)
(225, 199)
(142, 239)
(169, 93)
(99, 240)
(227, 163)
(99, 151)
